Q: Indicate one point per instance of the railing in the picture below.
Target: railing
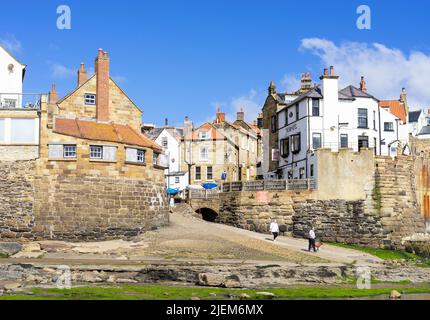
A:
(20, 101)
(269, 185)
(202, 194)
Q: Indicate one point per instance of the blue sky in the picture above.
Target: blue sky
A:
(177, 58)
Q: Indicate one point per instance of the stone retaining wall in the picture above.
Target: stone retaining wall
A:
(385, 211)
(16, 199)
(73, 207)
(92, 208)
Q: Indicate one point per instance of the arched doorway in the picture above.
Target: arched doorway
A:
(208, 214)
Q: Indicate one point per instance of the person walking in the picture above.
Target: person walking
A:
(171, 205)
(312, 238)
(274, 229)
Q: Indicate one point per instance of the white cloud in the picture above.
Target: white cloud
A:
(250, 103)
(386, 69)
(60, 71)
(11, 43)
(291, 82)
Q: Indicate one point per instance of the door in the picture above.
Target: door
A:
(363, 142)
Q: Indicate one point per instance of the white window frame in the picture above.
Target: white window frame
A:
(90, 99)
(141, 155)
(204, 135)
(204, 156)
(177, 180)
(96, 155)
(67, 153)
(165, 142)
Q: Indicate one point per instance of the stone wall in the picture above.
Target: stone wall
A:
(245, 210)
(16, 194)
(92, 208)
(340, 221)
(385, 208)
(18, 153)
(73, 207)
(334, 220)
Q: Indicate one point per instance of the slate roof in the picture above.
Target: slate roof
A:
(353, 92)
(424, 130)
(110, 132)
(313, 93)
(414, 116)
(154, 133)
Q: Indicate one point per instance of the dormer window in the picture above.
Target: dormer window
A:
(204, 135)
(90, 99)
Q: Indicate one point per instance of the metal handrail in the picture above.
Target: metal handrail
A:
(20, 101)
(269, 185)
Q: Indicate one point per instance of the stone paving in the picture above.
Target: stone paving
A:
(191, 239)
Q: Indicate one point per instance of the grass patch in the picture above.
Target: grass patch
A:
(151, 292)
(384, 254)
(387, 254)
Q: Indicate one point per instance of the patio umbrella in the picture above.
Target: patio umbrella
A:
(209, 186)
(172, 192)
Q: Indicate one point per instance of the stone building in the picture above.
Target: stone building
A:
(97, 176)
(220, 148)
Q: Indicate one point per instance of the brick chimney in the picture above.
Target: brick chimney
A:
(82, 75)
(241, 115)
(363, 86)
(53, 95)
(188, 128)
(220, 117)
(102, 87)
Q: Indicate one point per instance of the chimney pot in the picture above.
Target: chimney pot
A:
(325, 71)
(363, 86)
(331, 71)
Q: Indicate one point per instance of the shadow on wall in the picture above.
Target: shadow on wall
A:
(208, 214)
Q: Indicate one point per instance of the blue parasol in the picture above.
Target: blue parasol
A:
(209, 186)
(172, 192)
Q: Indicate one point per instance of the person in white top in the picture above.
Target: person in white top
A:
(274, 229)
(312, 238)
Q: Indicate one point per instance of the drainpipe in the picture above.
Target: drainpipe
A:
(380, 134)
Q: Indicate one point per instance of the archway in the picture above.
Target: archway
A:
(208, 214)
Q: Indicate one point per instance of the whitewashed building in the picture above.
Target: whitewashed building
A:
(419, 122)
(19, 113)
(329, 118)
(170, 139)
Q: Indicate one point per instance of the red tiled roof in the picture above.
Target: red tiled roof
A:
(396, 107)
(110, 132)
(214, 133)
